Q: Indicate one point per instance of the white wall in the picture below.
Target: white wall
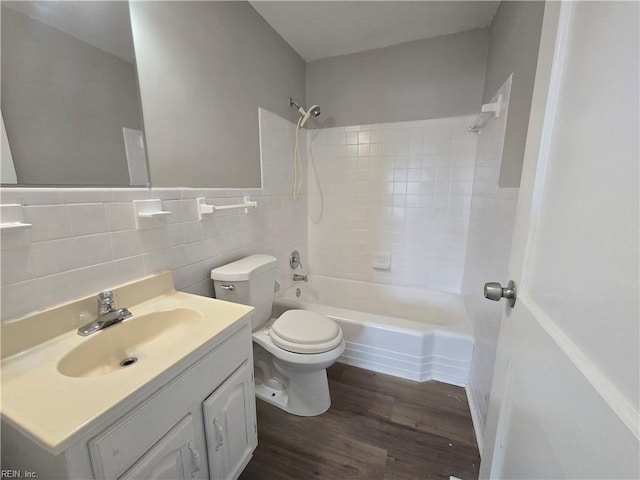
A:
(491, 225)
(84, 240)
(402, 189)
(513, 49)
(431, 78)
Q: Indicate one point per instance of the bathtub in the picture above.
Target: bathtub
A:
(407, 332)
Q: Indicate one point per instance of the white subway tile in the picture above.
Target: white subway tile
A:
(98, 278)
(120, 216)
(364, 138)
(156, 262)
(193, 231)
(30, 196)
(19, 299)
(130, 194)
(87, 218)
(49, 222)
(53, 256)
(93, 249)
(59, 288)
(153, 240)
(125, 244)
(75, 227)
(175, 234)
(128, 269)
(166, 193)
(189, 209)
(16, 266)
(86, 195)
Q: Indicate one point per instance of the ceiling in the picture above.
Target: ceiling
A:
(320, 29)
(103, 24)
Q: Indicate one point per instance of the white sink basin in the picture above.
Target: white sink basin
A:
(122, 345)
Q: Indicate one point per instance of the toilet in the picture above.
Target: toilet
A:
(290, 353)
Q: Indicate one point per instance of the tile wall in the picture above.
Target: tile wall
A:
(489, 243)
(400, 189)
(85, 240)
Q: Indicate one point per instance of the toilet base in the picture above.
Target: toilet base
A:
(302, 393)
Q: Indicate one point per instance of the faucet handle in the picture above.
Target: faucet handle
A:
(105, 301)
(106, 296)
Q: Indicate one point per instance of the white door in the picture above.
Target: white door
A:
(564, 400)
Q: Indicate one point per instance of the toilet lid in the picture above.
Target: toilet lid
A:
(302, 331)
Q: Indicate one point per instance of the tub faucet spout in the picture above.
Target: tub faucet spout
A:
(300, 278)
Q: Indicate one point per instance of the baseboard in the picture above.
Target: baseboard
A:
(478, 428)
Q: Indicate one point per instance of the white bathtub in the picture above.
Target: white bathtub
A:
(407, 332)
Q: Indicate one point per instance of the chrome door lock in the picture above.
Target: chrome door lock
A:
(494, 291)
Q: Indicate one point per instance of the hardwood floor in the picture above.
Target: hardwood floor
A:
(378, 427)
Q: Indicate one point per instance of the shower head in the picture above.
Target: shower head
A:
(314, 111)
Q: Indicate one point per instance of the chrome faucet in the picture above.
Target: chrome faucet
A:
(298, 278)
(108, 315)
(105, 302)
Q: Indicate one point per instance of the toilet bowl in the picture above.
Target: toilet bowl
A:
(291, 353)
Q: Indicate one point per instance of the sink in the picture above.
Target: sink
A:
(123, 345)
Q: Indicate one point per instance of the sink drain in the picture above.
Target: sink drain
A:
(128, 361)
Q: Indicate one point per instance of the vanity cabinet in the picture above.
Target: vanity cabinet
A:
(173, 457)
(230, 425)
(196, 422)
(201, 425)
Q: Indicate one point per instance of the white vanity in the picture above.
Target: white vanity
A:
(184, 408)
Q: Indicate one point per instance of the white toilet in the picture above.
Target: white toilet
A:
(290, 353)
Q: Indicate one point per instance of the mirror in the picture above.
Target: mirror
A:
(70, 99)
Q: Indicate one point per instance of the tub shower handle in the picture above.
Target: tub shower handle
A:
(494, 291)
(229, 287)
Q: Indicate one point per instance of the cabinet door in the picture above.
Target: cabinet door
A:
(173, 457)
(230, 425)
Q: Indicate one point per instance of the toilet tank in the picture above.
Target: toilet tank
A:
(249, 281)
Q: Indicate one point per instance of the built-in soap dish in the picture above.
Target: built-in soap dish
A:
(13, 227)
(381, 260)
(149, 213)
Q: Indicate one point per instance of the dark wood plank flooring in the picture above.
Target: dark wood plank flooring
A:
(378, 427)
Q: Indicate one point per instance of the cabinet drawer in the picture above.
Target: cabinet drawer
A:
(120, 446)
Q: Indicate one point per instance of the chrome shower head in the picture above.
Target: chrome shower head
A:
(314, 111)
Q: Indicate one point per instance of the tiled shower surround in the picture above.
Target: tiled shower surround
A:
(85, 240)
(400, 189)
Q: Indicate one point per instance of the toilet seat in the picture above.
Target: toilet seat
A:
(303, 331)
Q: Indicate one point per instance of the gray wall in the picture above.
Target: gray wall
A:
(205, 68)
(63, 121)
(513, 48)
(431, 78)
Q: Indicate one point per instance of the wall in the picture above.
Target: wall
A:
(432, 78)
(84, 240)
(513, 48)
(402, 189)
(491, 223)
(205, 68)
(56, 94)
